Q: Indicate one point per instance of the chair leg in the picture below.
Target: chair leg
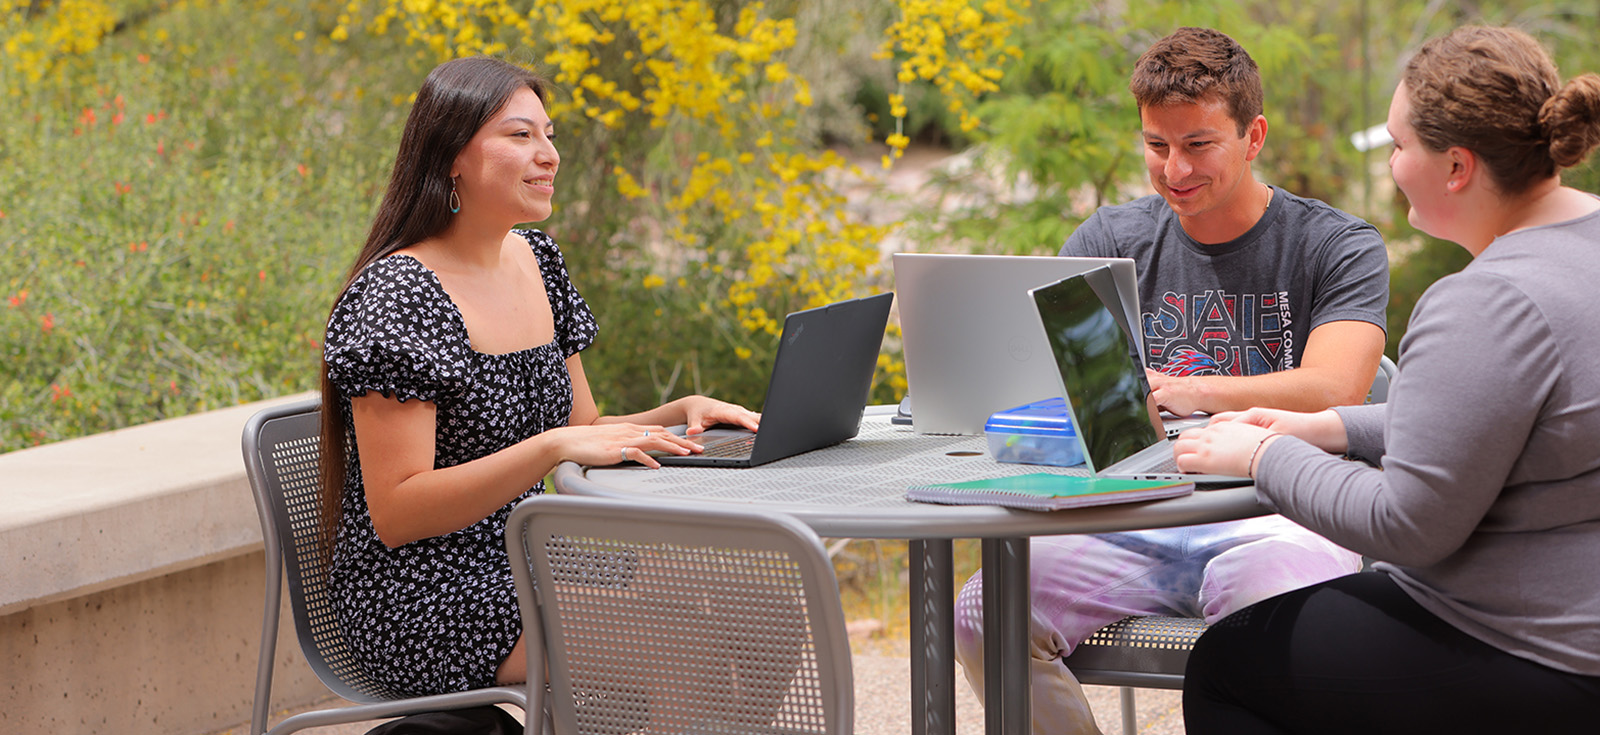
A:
(1130, 716)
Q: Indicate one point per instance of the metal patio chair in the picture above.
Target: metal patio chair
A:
(682, 619)
(282, 446)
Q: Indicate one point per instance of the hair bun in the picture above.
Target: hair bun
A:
(1571, 119)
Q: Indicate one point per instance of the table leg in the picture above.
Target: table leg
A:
(933, 673)
(1008, 697)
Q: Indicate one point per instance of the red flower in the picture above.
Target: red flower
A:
(48, 323)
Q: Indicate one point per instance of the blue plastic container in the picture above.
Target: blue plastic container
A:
(1038, 433)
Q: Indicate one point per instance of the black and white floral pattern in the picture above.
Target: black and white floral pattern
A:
(440, 614)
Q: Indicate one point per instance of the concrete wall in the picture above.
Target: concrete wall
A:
(131, 583)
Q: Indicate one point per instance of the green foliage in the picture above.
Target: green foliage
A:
(1060, 138)
(188, 190)
(178, 214)
(188, 184)
(1065, 126)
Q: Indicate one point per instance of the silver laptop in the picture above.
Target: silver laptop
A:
(820, 384)
(971, 336)
(1108, 395)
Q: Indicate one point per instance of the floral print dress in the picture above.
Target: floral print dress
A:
(440, 614)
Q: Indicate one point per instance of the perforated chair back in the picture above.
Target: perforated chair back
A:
(282, 453)
(670, 619)
(290, 451)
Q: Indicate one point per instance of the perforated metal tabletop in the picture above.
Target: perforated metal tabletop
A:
(857, 490)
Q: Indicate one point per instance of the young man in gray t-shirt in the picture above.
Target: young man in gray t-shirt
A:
(1303, 287)
(1251, 296)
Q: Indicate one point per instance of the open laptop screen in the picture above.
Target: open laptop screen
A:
(972, 340)
(1100, 373)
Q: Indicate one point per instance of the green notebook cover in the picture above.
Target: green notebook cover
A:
(1045, 491)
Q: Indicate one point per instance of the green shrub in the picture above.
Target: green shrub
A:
(183, 200)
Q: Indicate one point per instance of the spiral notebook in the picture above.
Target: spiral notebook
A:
(1045, 491)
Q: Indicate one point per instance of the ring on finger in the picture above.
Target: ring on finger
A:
(647, 432)
(624, 454)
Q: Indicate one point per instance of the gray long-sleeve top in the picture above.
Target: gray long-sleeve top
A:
(1487, 509)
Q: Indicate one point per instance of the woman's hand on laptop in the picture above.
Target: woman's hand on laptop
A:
(702, 412)
(1322, 429)
(1225, 448)
(600, 445)
(1232, 443)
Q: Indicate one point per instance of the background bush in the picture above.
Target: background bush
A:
(180, 201)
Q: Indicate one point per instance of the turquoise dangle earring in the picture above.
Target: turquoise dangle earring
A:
(455, 199)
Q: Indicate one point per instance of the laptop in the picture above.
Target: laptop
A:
(1108, 395)
(821, 381)
(1110, 295)
(971, 336)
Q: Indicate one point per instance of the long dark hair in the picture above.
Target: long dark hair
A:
(457, 99)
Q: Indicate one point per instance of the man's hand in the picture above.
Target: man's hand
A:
(1177, 395)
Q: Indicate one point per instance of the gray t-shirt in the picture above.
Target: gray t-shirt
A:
(1243, 307)
(1487, 509)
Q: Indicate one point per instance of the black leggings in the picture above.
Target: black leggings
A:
(1357, 655)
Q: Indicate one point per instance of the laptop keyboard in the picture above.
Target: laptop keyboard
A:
(1168, 464)
(738, 446)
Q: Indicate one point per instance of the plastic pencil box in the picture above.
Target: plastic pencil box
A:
(1037, 433)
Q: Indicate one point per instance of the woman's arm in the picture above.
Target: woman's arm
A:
(1456, 429)
(410, 500)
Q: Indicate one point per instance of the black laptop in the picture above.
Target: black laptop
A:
(820, 384)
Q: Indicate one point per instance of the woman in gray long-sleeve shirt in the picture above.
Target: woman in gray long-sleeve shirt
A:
(1484, 613)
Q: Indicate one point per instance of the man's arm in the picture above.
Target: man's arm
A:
(1336, 369)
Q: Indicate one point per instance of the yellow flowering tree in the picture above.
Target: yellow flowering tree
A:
(37, 35)
(958, 46)
(683, 150)
(708, 148)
